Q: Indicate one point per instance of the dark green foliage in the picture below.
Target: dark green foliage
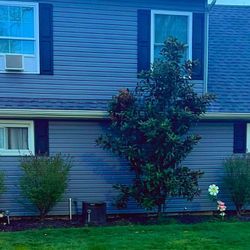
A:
(2, 186)
(150, 128)
(44, 180)
(237, 180)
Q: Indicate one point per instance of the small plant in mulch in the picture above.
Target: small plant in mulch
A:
(4, 217)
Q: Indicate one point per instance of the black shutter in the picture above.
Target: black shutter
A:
(143, 39)
(46, 38)
(198, 45)
(240, 134)
(42, 137)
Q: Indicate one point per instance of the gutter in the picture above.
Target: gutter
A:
(226, 116)
(206, 51)
(98, 114)
(57, 114)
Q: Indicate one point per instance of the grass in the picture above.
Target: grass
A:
(210, 235)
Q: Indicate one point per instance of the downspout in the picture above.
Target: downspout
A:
(208, 9)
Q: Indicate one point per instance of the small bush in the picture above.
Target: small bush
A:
(237, 180)
(44, 180)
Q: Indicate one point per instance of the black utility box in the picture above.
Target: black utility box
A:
(94, 213)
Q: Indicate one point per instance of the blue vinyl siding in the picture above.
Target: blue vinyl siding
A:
(95, 49)
(11, 198)
(95, 171)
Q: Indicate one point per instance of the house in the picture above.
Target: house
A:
(61, 61)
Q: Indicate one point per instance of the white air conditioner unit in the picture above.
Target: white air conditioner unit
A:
(14, 63)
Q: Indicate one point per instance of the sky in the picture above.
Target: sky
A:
(232, 2)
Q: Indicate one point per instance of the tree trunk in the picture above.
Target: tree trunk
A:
(159, 211)
(42, 215)
(238, 210)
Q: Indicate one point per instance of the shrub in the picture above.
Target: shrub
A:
(44, 180)
(237, 180)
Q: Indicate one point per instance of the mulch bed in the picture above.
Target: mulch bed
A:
(20, 224)
(244, 218)
(27, 223)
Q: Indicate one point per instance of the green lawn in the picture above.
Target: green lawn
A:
(205, 236)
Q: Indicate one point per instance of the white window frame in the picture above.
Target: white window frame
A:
(36, 55)
(174, 13)
(248, 138)
(31, 137)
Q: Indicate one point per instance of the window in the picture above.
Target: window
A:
(165, 24)
(16, 138)
(19, 34)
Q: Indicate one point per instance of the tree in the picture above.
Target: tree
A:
(150, 127)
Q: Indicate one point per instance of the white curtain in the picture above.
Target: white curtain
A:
(169, 26)
(18, 138)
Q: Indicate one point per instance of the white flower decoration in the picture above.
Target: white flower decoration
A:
(213, 190)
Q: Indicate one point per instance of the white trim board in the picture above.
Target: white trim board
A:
(48, 113)
(226, 116)
(96, 114)
(248, 137)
